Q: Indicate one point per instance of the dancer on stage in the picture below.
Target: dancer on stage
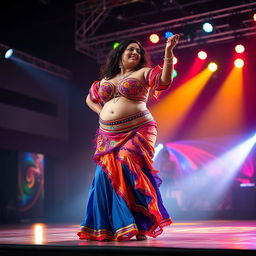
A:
(124, 199)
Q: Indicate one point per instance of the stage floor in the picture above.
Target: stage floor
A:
(199, 234)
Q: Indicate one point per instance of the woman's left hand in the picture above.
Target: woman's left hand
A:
(171, 42)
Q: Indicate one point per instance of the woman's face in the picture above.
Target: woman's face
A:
(131, 56)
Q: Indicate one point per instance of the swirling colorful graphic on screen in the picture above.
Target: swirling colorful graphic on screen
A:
(30, 180)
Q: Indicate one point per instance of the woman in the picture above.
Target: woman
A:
(124, 198)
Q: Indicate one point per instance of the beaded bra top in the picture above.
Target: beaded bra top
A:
(130, 88)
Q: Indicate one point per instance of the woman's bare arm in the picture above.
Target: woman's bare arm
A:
(96, 107)
(167, 73)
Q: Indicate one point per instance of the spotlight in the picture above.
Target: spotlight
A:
(207, 27)
(9, 54)
(239, 63)
(239, 48)
(254, 17)
(168, 34)
(158, 148)
(202, 55)
(27, 59)
(212, 66)
(175, 73)
(154, 38)
(175, 60)
(115, 45)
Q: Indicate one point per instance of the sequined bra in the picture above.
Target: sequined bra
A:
(131, 88)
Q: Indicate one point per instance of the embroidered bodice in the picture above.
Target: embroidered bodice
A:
(131, 88)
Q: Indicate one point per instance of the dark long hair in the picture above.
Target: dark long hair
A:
(111, 67)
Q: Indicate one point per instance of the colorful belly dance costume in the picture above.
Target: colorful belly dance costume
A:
(124, 198)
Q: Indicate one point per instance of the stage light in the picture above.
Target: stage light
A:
(254, 17)
(175, 73)
(158, 148)
(239, 63)
(213, 66)
(115, 45)
(168, 34)
(154, 38)
(19, 57)
(239, 48)
(175, 60)
(207, 27)
(9, 54)
(202, 55)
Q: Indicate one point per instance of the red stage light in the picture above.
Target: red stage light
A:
(239, 48)
(154, 38)
(202, 55)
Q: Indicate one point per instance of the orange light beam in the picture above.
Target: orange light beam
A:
(195, 68)
(225, 113)
(171, 110)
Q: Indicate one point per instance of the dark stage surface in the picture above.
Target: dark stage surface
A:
(182, 238)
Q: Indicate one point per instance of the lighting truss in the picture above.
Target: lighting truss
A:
(89, 16)
(87, 23)
(39, 63)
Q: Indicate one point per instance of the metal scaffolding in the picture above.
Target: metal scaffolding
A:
(39, 63)
(225, 29)
(88, 18)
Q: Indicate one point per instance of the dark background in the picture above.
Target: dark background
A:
(45, 29)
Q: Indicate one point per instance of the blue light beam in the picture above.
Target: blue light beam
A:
(158, 148)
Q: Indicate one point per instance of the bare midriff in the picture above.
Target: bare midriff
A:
(120, 107)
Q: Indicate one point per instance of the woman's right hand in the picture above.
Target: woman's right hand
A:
(171, 43)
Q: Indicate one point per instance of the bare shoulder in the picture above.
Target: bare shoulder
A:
(144, 72)
(144, 69)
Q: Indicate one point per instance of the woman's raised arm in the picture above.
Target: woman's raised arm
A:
(167, 72)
